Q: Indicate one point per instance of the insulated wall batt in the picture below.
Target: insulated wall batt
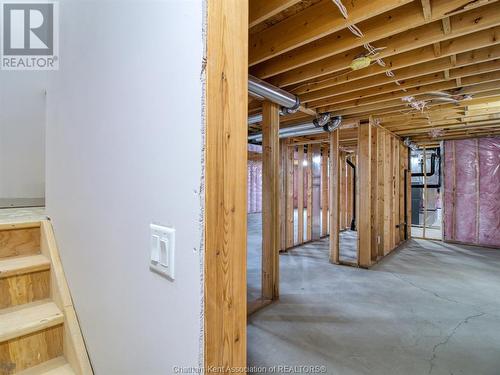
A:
(472, 191)
(489, 191)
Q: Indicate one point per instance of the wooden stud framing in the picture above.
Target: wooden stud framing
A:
(289, 197)
(381, 172)
(300, 195)
(270, 200)
(283, 150)
(225, 168)
(387, 193)
(316, 191)
(349, 189)
(324, 193)
(395, 191)
(425, 191)
(374, 192)
(365, 203)
(343, 192)
(408, 194)
(309, 193)
(403, 165)
(334, 196)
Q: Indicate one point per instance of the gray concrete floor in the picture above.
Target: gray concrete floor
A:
(428, 308)
(348, 251)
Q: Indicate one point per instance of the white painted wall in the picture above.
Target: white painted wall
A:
(22, 134)
(124, 149)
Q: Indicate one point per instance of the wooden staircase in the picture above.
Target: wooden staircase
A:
(39, 331)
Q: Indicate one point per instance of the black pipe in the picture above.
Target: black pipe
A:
(353, 222)
(406, 201)
(433, 168)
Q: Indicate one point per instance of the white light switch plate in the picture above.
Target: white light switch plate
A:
(163, 250)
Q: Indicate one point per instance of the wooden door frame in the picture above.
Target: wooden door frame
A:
(225, 181)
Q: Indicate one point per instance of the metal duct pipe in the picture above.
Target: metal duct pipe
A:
(289, 102)
(308, 128)
(253, 119)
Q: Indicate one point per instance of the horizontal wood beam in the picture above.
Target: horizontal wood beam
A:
(460, 126)
(439, 77)
(311, 24)
(473, 21)
(398, 107)
(464, 60)
(473, 84)
(464, 135)
(261, 10)
(307, 91)
(477, 40)
(440, 121)
(376, 28)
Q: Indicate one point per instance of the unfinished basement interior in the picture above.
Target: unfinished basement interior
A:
(250, 186)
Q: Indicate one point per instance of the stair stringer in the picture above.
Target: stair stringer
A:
(75, 350)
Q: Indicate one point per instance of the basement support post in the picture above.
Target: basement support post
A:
(334, 196)
(225, 214)
(270, 200)
(365, 203)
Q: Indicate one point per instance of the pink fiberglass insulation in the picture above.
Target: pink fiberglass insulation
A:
(466, 191)
(489, 189)
(472, 191)
(448, 198)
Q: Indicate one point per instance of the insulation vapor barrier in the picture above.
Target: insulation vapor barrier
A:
(472, 191)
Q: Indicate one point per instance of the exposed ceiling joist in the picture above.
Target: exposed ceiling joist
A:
(311, 24)
(437, 52)
(464, 60)
(261, 10)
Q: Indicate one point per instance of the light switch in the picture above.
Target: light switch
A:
(162, 250)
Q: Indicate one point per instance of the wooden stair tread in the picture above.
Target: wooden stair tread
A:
(25, 319)
(22, 265)
(56, 366)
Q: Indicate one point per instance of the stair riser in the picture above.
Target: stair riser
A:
(19, 242)
(21, 289)
(30, 350)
